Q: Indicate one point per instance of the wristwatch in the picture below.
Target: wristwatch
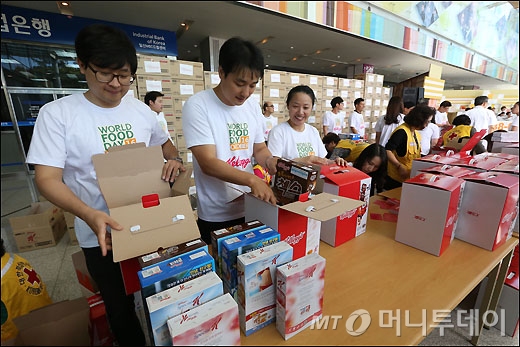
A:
(179, 159)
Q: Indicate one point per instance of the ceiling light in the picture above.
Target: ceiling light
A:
(318, 52)
(183, 27)
(294, 58)
(292, 47)
(65, 8)
(265, 40)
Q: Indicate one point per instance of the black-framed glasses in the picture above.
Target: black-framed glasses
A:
(107, 77)
(269, 106)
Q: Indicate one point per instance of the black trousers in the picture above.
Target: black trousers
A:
(390, 183)
(205, 227)
(120, 308)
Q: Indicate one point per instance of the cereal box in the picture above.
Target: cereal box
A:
(214, 323)
(299, 294)
(257, 285)
(179, 299)
(293, 179)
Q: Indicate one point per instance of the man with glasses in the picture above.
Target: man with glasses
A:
(69, 131)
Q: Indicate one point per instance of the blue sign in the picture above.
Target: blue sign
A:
(38, 26)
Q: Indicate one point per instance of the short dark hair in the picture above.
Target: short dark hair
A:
(358, 101)
(237, 54)
(331, 137)
(336, 100)
(152, 96)
(480, 100)
(445, 103)
(301, 89)
(419, 115)
(105, 46)
(461, 119)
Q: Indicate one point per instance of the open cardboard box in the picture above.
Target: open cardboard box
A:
(125, 176)
(297, 224)
(64, 323)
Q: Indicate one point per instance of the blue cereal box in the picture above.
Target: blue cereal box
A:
(257, 285)
(177, 270)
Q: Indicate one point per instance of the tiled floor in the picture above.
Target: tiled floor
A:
(54, 264)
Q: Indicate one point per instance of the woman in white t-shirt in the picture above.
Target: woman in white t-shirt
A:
(394, 117)
(295, 139)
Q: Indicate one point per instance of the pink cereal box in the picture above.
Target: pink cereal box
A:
(299, 294)
(214, 323)
(257, 285)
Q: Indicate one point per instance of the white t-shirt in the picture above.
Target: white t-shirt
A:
(441, 118)
(334, 122)
(356, 121)
(162, 122)
(70, 130)
(514, 122)
(386, 130)
(269, 123)
(233, 130)
(288, 143)
(432, 131)
(481, 118)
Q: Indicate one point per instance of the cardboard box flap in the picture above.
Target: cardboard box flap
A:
(156, 227)
(126, 175)
(473, 141)
(450, 170)
(41, 214)
(182, 183)
(342, 174)
(125, 147)
(480, 162)
(496, 178)
(64, 323)
(443, 182)
(325, 208)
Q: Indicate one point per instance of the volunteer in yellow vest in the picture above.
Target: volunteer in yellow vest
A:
(404, 145)
(350, 149)
(22, 291)
(461, 132)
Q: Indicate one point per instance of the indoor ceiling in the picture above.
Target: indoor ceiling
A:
(291, 38)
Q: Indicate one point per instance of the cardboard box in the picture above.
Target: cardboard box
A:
(510, 166)
(488, 225)
(65, 323)
(186, 88)
(257, 285)
(351, 183)
(148, 83)
(297, 226)
(152, 65)
(220, 235)
(187, 70)
(69, 221)
(448, 170)
(179, 299)
(240, 244)
(429, 224)
(43, 226)
(510, 149)
(300, 286)
(479, 163)
(214, 323)
(431, 160)
(293, 179)
(176, 271)
(87, 284)
(164, 254)
(127, 177)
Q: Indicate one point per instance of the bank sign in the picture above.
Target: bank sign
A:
(39, 26)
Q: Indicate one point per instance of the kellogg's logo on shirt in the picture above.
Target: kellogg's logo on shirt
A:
(238, 136)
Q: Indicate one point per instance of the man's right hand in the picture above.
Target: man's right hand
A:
(98, 221)
(262, 191)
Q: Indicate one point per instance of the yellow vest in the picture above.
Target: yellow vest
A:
(413, 151)
(454, 134)
(22, 291)
(356, 147)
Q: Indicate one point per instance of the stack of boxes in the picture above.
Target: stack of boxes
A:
(276, 85)
(375, 105)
